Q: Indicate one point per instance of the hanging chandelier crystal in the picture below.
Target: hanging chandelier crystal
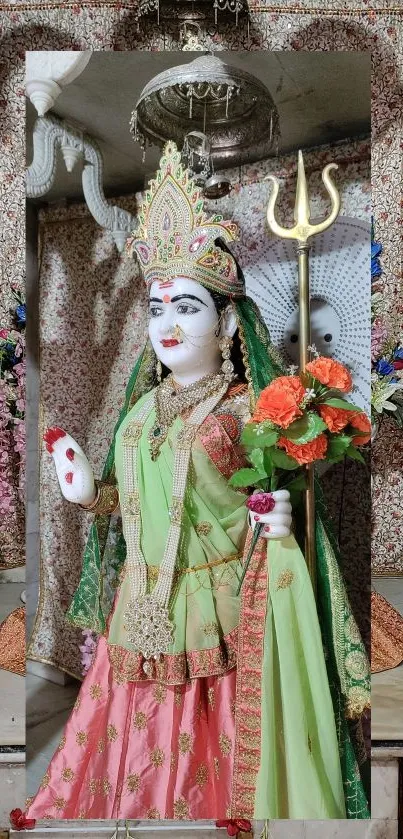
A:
(231, 107)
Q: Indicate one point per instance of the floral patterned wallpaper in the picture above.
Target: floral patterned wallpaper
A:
(324, 25)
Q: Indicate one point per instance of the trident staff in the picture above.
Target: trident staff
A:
(302, 231)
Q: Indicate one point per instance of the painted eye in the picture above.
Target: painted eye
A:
(155, 311)
(186, 309)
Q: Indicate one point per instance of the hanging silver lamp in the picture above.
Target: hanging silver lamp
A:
(230, 106)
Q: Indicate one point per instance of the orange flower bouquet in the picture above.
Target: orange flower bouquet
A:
(298, 420)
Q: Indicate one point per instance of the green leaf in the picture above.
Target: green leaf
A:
(355, 454)
(341, 403)
(250, 436)
(283, 460)
(305, 429)
(245, 478)
(256, 457)
(268, 462)
(337, 447)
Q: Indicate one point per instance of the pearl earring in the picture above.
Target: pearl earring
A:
(159, 371)
(227, 366)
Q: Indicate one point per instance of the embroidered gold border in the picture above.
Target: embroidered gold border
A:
(249, 683)
(178, 668)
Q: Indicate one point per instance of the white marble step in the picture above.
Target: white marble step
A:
(12, 785)
(375, 829)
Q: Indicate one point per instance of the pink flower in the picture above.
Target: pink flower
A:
(4, 334)
(261, 502)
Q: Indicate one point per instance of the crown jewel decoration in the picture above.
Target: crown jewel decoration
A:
(175, 237)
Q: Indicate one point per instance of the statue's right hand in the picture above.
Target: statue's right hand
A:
(73, 470)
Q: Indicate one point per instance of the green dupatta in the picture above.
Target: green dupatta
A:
(346, 660)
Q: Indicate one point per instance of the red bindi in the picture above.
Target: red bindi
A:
(166, 298)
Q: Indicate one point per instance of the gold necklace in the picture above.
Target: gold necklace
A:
(171, 400)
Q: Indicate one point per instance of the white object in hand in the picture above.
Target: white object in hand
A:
(277, 523)
(74, 472)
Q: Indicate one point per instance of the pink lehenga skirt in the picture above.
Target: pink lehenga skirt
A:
(142, 750)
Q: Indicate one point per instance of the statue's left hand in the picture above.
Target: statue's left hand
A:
(277, 523)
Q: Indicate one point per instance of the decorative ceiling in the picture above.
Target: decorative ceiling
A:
(321, 97)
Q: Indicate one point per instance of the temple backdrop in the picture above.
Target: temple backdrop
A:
(92, 325)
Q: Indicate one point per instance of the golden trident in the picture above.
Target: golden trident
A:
(301, 232)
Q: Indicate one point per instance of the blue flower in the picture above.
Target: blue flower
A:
(21, 314)
(376, 269)
(398, 353)
(384, 367)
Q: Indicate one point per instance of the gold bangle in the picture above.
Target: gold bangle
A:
(106, 500)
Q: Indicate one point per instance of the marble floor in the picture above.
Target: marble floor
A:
(48, 708)
(387, 687)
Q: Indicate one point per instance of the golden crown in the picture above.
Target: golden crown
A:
(175, 238)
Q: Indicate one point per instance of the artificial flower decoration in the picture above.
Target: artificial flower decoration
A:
(19, 821)
(298, 420)
(386, 354)
(235, 826)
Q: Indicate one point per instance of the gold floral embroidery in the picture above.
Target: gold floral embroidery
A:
(96, 691)
(201, 775)
(93, 785)
(185, 743)
(211, 697)
(157, 757)
(29, 801)
(140, 720)
(153, 813)
(60, 802)
(225, 744)
(112, 733)
(81, 738)
(106, 786)
(210, 629)
(181, 809)
(160, 693)
(356, 664)
(203, 528)
(62, 744)
(82, 814)
(101, 746)
(178, 695)
(233, 707)
(68, 774)
(284, 579)
(45, 780)
(77, 704)
(133, 782)
(173, 760)
(199, 709)
(217, 767)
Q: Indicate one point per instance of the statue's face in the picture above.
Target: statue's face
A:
(193, 348)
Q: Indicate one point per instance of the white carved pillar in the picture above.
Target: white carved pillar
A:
(48, 72)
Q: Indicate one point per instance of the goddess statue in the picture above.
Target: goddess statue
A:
(201, 703)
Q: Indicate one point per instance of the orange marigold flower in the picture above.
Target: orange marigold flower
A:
(360, 421)
(306, 452)
(331, 373)
(279, 402)
(335, 418)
